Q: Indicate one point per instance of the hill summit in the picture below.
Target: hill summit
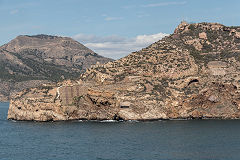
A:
(193, 73)
(28, 61)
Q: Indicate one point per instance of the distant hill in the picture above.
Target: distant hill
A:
(27, 61)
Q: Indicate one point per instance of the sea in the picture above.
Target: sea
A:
(110, 140)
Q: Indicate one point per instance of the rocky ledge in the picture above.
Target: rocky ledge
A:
(193, 73)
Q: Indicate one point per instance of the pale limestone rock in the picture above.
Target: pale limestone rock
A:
(196, 43)
(213, 98)
(203, 35)
(237, 34)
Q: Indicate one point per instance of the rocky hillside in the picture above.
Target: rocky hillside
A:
(193, 73)
(28, 61)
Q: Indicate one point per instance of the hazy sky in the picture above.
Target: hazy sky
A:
(112, 28)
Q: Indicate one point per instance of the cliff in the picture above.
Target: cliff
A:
(193, 73)
(28, 61)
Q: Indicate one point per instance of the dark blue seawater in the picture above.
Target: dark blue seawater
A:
(160, 140)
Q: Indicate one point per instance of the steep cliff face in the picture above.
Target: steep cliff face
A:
(193, 73)
(28, 61)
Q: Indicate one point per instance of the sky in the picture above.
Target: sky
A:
(112, 28)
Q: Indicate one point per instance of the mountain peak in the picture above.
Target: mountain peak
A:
(53, 45)
(185, 26)
(40, 36)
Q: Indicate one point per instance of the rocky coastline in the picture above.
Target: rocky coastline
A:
(191, 74)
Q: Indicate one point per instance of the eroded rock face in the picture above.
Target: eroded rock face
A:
(193, 73)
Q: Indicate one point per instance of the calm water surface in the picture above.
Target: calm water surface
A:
(161, 140)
